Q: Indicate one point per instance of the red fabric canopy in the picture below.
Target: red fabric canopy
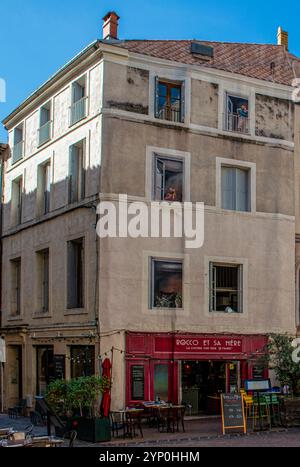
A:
(106, 399)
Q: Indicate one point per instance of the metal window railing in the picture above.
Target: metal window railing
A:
(172, 115)
(17, 152)
(236, 123)
(44, 133)
(78, 110)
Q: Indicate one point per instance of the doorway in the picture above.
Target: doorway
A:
(202, 382)
(45, 368)
(15, 378)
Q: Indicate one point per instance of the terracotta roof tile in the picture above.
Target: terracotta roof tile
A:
(261, 61)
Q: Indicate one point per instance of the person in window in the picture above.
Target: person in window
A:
(171, 194)
(242, 113)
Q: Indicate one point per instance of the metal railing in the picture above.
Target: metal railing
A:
(78, 111)
(17, 152)
(44, 133)
(172, 115)
(236, 123)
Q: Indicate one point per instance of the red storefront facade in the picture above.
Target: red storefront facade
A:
(176, 366)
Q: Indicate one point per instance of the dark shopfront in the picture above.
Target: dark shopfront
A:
(193, 369)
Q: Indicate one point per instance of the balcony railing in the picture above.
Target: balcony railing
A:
(44, 133)
(78, 111)
(17, 152)
(236, 123)
(172, 115)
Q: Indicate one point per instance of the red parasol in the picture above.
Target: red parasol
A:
(106, 399)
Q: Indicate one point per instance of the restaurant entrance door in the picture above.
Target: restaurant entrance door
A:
(202, 382)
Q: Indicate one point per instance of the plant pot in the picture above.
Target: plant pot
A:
(290, 411)
(96, 430)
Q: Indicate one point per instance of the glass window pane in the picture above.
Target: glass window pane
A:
(161, 382)
(167, 285)
(162, 89)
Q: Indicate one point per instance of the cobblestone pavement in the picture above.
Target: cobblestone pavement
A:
(201, 433)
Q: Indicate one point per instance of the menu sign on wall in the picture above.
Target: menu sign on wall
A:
(59, 363)
(138, 383)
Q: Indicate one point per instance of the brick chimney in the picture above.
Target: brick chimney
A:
(110, 26)
(283, 38)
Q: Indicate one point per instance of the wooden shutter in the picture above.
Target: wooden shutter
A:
(73, 174)
(159, 188)
(46, 281)
(182, 102)
(71, 279)
(240, 289)
(212, 287)
(156, 98)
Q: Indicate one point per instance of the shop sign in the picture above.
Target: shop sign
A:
(208, 345)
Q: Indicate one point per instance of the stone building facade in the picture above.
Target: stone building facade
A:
(202, 122)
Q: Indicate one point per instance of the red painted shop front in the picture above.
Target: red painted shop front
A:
(190, 368)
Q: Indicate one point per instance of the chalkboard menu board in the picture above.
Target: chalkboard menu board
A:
(59, 363)
(233, 413)
(137, 383)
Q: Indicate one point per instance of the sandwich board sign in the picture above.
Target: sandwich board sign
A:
(2, 351)
(233, 413)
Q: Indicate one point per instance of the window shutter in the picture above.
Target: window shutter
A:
(82, 174)
(228, 188)
(73, 174)
(183, 102)
(159, 188)
(71, 275)
(212, 287)
(46, 282)
(242, 182)
(156, 103)
(240, 290)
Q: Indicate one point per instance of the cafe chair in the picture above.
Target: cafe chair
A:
(248, 403)
(274, 408)
(117, 424)
(71, 436)
(261, 411)
(134, 424)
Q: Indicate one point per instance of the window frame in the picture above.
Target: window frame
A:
(80, 146)
(247, 98)
(234, 163)
(82, 81)
(156, 158)
(17, 186)
(47, 107)
(80, 304)
(40, 282)
(16, 287)
(175, 83)
(153, 261)
(213, 290)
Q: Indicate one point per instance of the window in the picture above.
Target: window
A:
(168, 179)
(76, 274)
(18, 144)
(237, 114)
(76, 172)
(167, 287)
(44, 188)
(138, 383)
(43, 281)
(17, 195)
(169, 103)
(82, 361)
(236, 189)
(78, 109)
(226, 284)
(45, 124)
(16, 287)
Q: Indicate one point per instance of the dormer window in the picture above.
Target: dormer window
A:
(236, 114)
(169, 102)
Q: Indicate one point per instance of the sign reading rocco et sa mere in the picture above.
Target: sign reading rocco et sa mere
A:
(209, 345)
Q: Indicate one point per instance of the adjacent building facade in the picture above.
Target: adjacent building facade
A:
(173, 121)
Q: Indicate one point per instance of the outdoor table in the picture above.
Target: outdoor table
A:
(53, 442)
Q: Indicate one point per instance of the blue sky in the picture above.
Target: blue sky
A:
(39, 36)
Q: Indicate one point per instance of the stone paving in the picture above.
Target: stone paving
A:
(199, 433)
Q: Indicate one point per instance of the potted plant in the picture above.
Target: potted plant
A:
(279, 357)
(78, 402)
(84, 396)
